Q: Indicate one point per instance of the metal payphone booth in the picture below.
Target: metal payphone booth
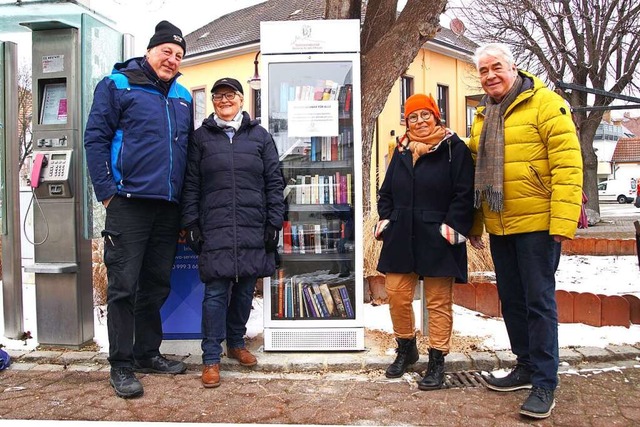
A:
(62, 257)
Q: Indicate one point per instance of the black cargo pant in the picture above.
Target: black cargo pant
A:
(140, 240)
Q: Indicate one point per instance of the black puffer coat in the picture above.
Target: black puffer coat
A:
(233, 189)
(417, 199)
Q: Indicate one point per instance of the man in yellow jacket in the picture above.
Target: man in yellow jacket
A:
(528, 191)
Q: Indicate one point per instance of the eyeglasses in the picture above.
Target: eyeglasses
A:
(229, 96)
(424, 115)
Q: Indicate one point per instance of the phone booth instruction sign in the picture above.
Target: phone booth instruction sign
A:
(182, 312)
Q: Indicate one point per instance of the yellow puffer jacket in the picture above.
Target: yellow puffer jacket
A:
(543, 165)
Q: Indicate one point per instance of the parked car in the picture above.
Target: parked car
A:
(618, 190)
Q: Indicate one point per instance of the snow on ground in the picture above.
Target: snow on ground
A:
(610, 275)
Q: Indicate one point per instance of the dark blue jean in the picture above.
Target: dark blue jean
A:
(225, 311)
(140, 241)
(525, 267)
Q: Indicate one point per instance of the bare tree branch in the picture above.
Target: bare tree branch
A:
(592, 43)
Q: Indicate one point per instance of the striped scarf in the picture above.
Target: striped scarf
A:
(489, 177)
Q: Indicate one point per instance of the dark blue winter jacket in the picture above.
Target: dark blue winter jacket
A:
(137, 134)
(233, 189)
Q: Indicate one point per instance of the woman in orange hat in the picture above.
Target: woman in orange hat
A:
(425, 210)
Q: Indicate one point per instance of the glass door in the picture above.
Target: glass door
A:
(311, 117)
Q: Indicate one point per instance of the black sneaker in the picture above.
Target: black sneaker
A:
(519, 378)
(159, 365)
(539, 403)
(125, 383)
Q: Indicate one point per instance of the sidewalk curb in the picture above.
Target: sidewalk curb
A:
(309, 362)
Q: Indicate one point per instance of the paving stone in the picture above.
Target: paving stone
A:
(372, 362)
(506, 359)
(101, 358)
(78, 356)
(16, 354)
(195, 360)
(84, 368)
(22, 366)
(346, 361)
(570, 356)
(48, 367)
(622, 352)
(483, 361)
(42, 355)
(594, 354)
(310, 363)
(456, 362)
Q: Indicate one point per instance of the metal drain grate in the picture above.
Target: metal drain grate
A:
(463, 379)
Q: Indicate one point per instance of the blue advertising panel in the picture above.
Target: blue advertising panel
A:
(182, 312)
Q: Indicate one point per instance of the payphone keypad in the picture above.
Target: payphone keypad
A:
(57, 169)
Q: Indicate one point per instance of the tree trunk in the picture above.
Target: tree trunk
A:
(587, 132)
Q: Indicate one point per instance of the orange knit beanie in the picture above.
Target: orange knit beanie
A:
(421, 101)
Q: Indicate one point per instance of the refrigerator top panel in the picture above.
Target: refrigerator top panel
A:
(320, 36)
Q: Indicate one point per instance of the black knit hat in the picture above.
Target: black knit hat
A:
(228, 81)
(166, 32)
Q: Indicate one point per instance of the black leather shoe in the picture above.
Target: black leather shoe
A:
(539, 404)
(125, 383)
(519, 378)
(159, 365)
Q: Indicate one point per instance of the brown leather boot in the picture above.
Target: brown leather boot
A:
(211, 376)
(243, 356)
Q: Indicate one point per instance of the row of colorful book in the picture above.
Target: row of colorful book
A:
(322, 90)
(312, 238)
(331, 148)
(332, 189)
(295, 299)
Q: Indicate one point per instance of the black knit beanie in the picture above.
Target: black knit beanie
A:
(166, 32)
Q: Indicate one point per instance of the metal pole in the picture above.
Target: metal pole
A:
(11, 247)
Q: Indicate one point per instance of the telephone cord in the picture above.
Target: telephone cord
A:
(46, 223)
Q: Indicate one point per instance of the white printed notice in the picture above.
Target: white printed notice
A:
(313, 118)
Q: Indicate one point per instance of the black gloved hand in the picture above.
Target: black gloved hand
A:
(271, 236)
(194, 239)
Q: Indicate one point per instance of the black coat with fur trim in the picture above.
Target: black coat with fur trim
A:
(417, 200)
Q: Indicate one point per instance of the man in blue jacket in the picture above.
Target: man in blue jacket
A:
(136, 144)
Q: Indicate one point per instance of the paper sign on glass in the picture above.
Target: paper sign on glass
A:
(312, 118)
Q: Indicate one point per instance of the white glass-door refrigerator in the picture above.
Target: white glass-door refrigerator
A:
(311, 107)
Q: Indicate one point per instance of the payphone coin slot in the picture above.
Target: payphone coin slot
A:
(56, 190)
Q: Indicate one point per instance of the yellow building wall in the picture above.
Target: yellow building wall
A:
(205, 75)
(428, 70)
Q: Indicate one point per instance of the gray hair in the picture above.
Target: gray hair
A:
(499, 50)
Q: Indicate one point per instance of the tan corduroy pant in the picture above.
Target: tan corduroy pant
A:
(438, 293)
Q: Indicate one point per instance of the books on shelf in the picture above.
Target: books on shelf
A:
(334, 189)
(312, 238)
(295, 299)
(344, 294)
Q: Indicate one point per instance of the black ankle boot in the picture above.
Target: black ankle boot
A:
(434, 377)
(407, 354)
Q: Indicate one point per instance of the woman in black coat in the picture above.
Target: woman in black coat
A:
(426, 205)
(233, 208)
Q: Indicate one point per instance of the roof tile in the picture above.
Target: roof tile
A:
(627, 151)
(242, 27)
